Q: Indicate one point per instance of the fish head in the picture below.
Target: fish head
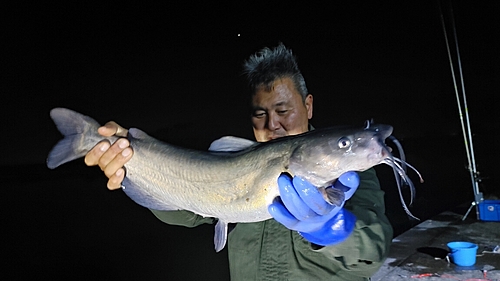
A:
(326, 154)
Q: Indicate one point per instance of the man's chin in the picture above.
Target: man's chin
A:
(264, 138)
(273, 137)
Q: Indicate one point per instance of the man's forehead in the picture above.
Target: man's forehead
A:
(279, 94)
(282, 82)
(273, 99)
(276, 104)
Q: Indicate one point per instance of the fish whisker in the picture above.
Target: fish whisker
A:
(401, 175)
(399, 167)
(411, 167)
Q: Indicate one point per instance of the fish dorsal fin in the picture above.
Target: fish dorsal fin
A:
(230, 144)
(134, 133)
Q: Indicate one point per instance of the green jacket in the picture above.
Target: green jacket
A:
(268, 251)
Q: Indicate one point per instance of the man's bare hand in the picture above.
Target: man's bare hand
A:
(111, 158)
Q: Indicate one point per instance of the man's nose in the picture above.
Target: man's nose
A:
(273, 122)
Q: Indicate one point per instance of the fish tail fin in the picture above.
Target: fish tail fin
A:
(79, 132)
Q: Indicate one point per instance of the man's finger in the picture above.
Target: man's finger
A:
(93, 156)
(118, 162)
(112, 129)
(292, 200)
(115, 181)
(312, 197)
(113, 152)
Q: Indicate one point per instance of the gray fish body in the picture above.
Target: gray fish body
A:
(231, 186)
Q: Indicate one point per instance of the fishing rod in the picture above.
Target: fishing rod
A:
(466, 130)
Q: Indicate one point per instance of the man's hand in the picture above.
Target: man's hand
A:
(111, 158)
(302, 207)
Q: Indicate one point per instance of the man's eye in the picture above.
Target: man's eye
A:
(281, 112)
(259, 114)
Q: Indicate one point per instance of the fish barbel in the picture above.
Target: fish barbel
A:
(236, 179)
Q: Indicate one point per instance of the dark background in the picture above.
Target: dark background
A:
(175, 71)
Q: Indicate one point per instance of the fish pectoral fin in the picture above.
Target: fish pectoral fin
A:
(334, 196)
(220, 236)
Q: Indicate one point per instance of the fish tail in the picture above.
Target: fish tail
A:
(80, 135)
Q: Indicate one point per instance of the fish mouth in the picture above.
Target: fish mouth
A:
(386, 152)
(383, 131)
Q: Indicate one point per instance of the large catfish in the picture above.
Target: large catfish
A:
(236, 180)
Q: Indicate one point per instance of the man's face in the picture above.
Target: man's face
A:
(280, 112)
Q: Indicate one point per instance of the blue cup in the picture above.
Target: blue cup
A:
(463, 253)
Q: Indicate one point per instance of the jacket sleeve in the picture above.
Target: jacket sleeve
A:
(365, 250)
(182, 218)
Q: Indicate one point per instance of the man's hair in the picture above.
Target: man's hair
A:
(266, 66)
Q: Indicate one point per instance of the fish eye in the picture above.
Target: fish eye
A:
(344, 142)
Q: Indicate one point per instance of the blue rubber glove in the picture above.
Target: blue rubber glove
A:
(302, 207)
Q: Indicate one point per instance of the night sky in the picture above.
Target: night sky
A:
(174, 71)
(166, 67)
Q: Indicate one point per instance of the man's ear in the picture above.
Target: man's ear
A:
(308, 102)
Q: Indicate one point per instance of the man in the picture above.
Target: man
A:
(290, 246)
